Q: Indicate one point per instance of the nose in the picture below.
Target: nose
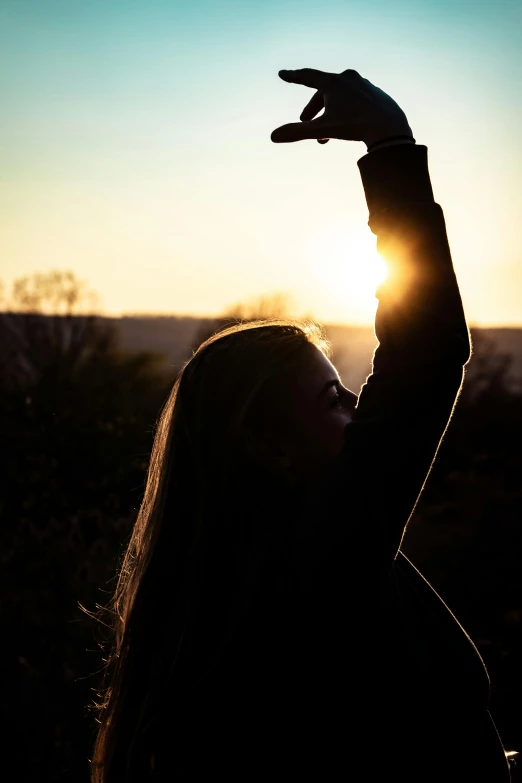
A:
(351, 400)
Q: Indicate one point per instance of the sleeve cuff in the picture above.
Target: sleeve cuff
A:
(395, 174)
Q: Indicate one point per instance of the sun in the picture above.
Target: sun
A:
(348, 265)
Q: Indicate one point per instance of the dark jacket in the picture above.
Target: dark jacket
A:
(349, 665)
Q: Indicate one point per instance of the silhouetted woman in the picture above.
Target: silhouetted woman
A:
(266, 624)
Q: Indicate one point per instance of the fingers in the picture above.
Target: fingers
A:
(313, 107)
(320, 80)
(296, 131)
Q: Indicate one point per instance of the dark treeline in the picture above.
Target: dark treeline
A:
(77, 416)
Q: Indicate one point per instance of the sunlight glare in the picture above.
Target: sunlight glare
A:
(347, 264)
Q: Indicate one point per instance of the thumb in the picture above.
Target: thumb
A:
(296, 131)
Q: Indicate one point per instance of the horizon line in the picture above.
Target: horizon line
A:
(210, 317)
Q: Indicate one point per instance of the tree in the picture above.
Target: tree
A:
(273, 306)
(77, 415)
(50, 321)
(53, 293)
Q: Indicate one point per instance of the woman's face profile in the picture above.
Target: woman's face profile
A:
(319, 409)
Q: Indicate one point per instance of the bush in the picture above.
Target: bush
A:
(77, 415)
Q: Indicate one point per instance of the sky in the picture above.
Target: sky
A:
(135, 149)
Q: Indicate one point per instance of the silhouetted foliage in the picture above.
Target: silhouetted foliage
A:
(77, 414)
(56, 292)
(274, 306)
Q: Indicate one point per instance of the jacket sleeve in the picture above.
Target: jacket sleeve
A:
(363, 501)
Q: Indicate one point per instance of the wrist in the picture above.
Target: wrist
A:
(390, 141)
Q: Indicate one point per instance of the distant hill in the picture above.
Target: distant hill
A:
(353, 346)
(176, 337)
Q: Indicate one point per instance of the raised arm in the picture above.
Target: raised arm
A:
(361, 505)
(406, 403)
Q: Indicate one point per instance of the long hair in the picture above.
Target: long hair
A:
(206, 525)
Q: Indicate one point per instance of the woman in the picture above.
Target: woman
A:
(266, 623)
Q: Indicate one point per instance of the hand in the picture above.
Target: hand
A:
(354, 109)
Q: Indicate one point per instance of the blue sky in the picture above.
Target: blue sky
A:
(135, 148)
